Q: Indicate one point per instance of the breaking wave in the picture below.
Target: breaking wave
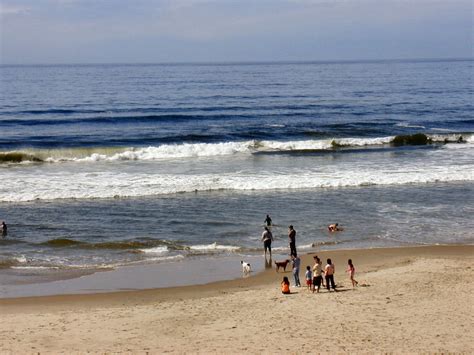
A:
(190, 150)
(12, 262)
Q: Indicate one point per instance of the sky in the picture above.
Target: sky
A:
(163, 31)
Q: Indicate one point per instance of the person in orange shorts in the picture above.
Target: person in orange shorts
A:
(285, 286)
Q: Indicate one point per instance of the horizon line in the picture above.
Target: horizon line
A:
(251, 62)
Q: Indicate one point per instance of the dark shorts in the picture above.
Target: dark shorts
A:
(317, 280)
(267, 245)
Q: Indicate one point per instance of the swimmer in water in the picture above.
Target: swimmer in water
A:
(334, 227)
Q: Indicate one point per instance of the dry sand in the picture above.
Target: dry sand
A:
(410, 300)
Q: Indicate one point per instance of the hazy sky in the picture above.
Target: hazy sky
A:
(146, 31)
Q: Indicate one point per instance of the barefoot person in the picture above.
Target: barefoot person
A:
(351, 270)
(285, 286)
(267, 238)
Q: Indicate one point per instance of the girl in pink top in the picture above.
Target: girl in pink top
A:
(351, 270)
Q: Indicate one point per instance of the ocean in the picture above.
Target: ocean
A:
(105, 166)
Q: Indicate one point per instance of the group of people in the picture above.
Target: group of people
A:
(317, 276)
(267, 236)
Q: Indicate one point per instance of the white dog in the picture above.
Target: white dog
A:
(245, 267)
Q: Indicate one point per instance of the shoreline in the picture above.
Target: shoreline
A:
(365, 260)
(401, 306)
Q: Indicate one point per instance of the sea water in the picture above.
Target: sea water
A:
(103, 166)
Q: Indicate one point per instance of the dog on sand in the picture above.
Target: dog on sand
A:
(281, 264)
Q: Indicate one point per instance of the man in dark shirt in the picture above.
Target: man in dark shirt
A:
(4, 229)
(268, 221)
(292, 239)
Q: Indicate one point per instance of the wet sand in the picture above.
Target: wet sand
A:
(416, 299)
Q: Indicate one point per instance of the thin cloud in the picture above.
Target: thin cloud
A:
(13, 10)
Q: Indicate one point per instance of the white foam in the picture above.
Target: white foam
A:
(168, 151)
(21, 259)
(408, 125)
(113, 184)
(452, 137)
(361, 142)
(322, 144)
(214, 246)
(187, 150)
(155, 250)
(108, 180)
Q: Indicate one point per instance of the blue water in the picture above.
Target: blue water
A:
(141, 105)
(121, 164)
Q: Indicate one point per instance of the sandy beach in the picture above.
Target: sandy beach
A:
(415, 299)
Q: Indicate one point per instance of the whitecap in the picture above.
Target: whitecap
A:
(408, 125)
(213, 246)
(155, 250)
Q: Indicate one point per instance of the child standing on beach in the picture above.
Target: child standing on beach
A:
(309, 277)
(351, 270)
(285, 286)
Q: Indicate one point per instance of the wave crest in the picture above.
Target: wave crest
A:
(190, 150)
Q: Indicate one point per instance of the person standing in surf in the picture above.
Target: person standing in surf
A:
(292, 240)
(4, 229)
(267, 238)
(268, 221)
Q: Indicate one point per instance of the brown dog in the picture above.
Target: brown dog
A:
(282, 264)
